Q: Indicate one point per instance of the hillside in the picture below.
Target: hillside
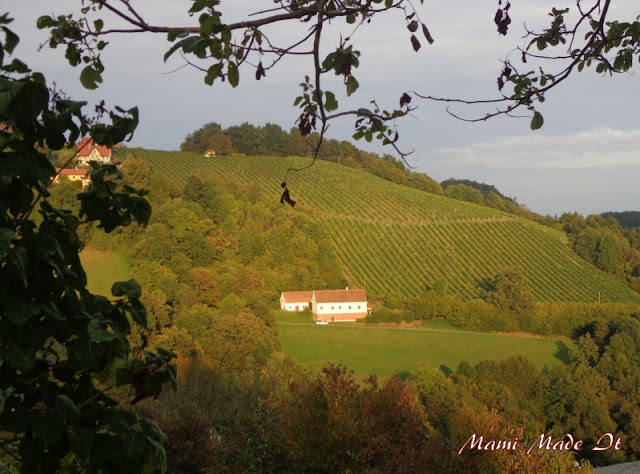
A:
(393, 238)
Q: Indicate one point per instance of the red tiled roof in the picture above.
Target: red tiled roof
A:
(69, 172)
(297, 296)
(86, 145)
(339, 296)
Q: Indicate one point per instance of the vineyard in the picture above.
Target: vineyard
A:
(393, 238)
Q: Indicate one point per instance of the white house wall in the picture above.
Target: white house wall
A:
(352, 307)
(284, 306)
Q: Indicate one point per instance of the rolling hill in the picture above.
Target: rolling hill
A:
(393, 238)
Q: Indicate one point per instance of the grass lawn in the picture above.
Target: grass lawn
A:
(384, 351)
(103, 268)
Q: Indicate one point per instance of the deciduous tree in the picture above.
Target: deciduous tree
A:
(63, 350)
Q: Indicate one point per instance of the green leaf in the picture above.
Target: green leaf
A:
(233, 74)
(97, 333)
(80, 439)
(11, 40)
(172, 50)
(330, 103)
(413, 26)
(175, 33)
(98, 24)
(352, 85)
(165, 353)
(6, 236)
(49, 429)
(138, 313)
(68, 409)
(213, 73)
(44, 22)
(89, 78)
(537, 121)
(130, 288)
(22, 359)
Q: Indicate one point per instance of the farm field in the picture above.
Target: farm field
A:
(103, 268)
(384, 351)
(391, 238)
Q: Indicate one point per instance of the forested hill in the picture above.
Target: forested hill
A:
(394, 239)
(627, 219)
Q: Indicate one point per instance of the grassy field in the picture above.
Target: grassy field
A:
(103, 269)
(391, 238)
(384, 350)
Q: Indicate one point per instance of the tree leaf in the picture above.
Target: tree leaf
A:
(415, 43)
(172, 50)
(352, 85)
(80, 439)
(233, 74)
(68, 409)
(426, 34)
(130, 288)
(89, 78)
(537, 121)
(331, 103)
(97, 333)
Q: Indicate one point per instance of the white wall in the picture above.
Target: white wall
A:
(284, 306)
(340, 308)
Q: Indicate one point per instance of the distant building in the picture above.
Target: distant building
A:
(74, 175)
(327, 305)
(89, 151)
(209, 152)
(339, 305)
(295, 300)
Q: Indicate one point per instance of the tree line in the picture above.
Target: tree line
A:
(271, 139)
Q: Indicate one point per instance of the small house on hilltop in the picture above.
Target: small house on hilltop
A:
(90, 151)
(295, 300)
(327, 305)
(73, 175)
(209, 152)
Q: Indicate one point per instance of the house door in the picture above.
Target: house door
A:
(333, 319)
(297, 308)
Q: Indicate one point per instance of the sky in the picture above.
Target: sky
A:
(586, 158)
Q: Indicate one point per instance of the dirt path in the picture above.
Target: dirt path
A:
(455, 331)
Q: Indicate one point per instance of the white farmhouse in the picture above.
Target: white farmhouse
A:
(339, 305)
(327, 305)
(295, 300)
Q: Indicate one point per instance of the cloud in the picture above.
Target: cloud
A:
(599, 148)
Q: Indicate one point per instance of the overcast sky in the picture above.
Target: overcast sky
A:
(586, 158)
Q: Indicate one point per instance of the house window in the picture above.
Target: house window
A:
(332, 307)
(321, 308)
(349, 307)
(358, 306)
(339, 307)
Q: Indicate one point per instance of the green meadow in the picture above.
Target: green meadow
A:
(384, 351)
(103, 268)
